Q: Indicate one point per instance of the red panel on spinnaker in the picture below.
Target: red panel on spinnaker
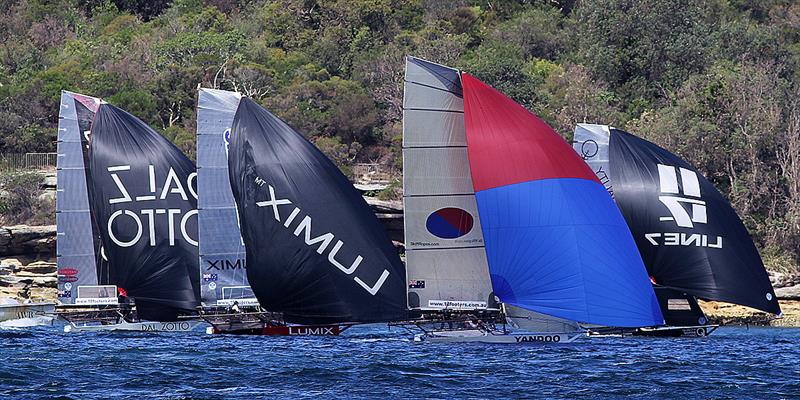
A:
(513, 145)
(555, 241)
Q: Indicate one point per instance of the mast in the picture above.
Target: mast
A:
(555, 242)
(223, 271)
(142, 195)
(315, 250)
(689, 236)
(445, 255)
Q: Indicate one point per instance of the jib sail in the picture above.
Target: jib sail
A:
(445, 257)
(222, 254)
(555, 241)
(77, 247)
(315, 250)
(142, 192)
(689, 236)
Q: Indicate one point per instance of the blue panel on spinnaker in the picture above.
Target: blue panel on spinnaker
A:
(560, 247)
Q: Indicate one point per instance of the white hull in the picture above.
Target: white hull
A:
(143, 326)
(26, 315)
(479, 336)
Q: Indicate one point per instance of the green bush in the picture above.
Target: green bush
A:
(22, 200)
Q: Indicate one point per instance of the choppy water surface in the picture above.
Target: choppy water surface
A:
(379, 362)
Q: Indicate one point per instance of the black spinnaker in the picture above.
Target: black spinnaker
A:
(315, 251)
(689, 236)
(142, 193)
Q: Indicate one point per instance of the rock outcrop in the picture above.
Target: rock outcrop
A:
(27, 240)
(26, 278)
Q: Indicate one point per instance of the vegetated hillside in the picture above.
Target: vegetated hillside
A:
(715, 81)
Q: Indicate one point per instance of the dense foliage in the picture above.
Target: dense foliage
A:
(714, 81)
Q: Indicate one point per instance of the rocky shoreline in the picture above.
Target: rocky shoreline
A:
(28, 271)
(27, 263)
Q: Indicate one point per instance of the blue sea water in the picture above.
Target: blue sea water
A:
(378, 362)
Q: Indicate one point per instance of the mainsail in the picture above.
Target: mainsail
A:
(222, 252)
(555, 241)
(445, 256)
(143, 197)
(77, 252)
(689, 236)
(315, 250)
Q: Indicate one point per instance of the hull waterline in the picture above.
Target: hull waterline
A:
(142, 326)
(481, 336)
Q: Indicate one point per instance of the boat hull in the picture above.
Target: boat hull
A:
(677, 331)
(142, 326)
(26, 315)
(697, 331)
(479, 336)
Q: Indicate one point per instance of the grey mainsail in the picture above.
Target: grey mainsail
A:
(76, 251)
(222, 252)
(445, 256)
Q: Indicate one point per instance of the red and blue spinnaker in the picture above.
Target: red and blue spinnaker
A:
(555, 241)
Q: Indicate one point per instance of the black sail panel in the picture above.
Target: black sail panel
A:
(315, 251)
(689, 236)
(143, 195)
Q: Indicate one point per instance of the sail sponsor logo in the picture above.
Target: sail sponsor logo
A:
(675, 196)
(225, 264)
(590, 149)
(449, 223)
(683, 239)
(145, 219)
(67, 271)
(67, 275)
(322, 242)
(210, 277)
(456, 304)
(538, 338)
(226, 138)
(686, 207)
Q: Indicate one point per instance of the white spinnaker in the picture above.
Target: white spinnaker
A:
(223, 277)
(75, 251)
(442, 272)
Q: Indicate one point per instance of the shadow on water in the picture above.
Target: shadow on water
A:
(373, 362)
